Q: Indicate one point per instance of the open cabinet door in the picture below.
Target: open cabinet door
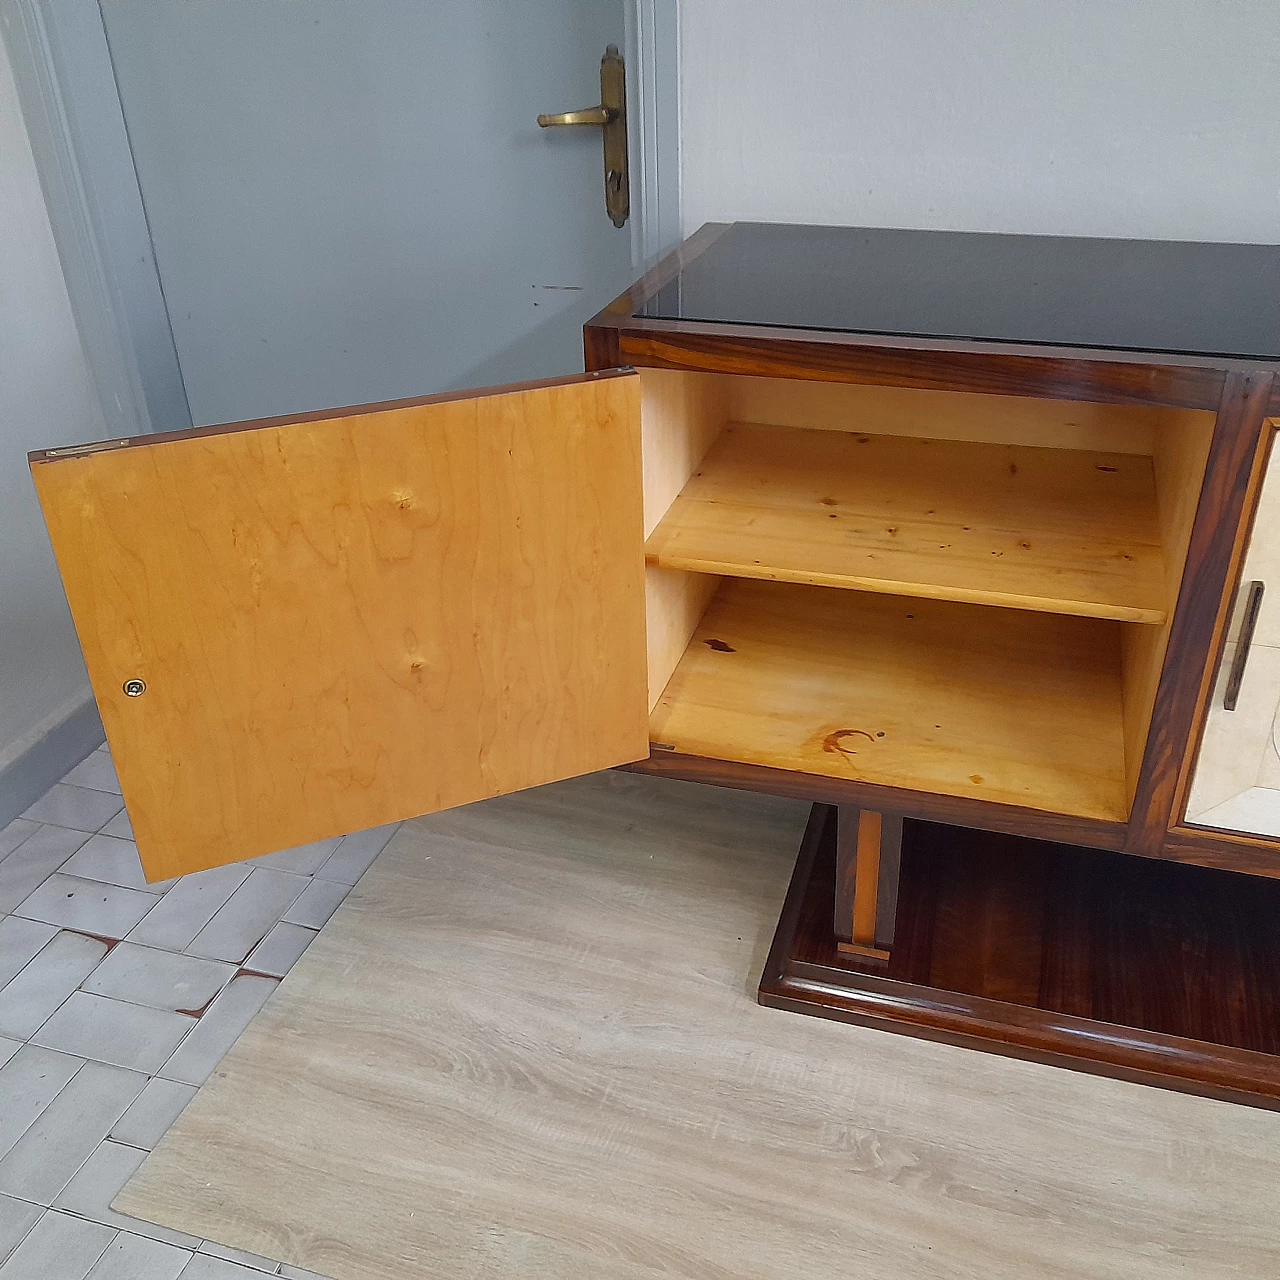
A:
(302, 627)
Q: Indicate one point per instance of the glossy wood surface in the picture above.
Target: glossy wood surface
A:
(1053, 530)
(349, 620)
(983, 815)
(1000, 705)
(866, 886)
(1236, 757)
(1210, 300)
(1251, 855)
(666, 269)
(621, 334)
(1161, 711)
(930, 364)
(1234, 469)
(1218, 749)
(868, 859)
(527, 1048)
(1129, 967)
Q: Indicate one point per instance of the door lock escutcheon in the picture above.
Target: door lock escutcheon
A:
(611, 116)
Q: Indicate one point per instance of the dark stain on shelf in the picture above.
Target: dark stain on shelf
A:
(834, 743)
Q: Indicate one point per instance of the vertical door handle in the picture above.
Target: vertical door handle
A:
(611, 116)
(1253, 605)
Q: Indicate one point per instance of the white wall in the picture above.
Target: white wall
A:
(45, 399)
(1144, 118)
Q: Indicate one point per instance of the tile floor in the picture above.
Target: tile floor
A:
(117, 999)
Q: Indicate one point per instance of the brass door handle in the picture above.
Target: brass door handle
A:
(1235, 677)
(611, 116)
(589, 115)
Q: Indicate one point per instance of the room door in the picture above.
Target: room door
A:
(351, 200)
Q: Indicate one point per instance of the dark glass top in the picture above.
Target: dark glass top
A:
(1219, 300)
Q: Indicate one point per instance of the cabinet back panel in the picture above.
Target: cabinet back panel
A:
(945, 415)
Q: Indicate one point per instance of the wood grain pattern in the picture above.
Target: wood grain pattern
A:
(1180, 456)
(1053, 530)
(1128, 967)
(680, 415)
(600, 351)
(866, 884)
(1232, 474)
(947, 415)
(868, 853)
(346, 621)
(674, 603)
(994, 704)
(1100, 374)
(1202, 847)
(1102, 377)
(1160, 729)
(848, 821)
(983, 815)
(527, 1046)
(1223, 633)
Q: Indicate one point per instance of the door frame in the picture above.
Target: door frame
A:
(653, 92)
(71, 108)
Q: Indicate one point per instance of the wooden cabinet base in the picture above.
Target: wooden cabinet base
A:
(1154, 972)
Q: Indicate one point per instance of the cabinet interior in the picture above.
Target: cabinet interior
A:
(943, 591)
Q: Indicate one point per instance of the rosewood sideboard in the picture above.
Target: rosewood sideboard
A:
(951, 534)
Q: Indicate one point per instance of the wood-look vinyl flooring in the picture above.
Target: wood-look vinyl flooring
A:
(528, 1045)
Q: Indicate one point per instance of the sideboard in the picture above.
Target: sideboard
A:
(950, 534)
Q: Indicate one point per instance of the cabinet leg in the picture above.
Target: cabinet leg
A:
(868, 853)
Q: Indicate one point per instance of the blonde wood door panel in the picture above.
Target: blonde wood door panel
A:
(347, 619)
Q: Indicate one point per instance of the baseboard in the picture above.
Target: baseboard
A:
(42, 757)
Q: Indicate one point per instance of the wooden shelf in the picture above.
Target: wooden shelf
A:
(1054, 530)
(992, 704)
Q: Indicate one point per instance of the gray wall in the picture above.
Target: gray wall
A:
(1144, 118)
(47, 719)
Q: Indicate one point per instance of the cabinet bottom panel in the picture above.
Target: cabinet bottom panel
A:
(1129, 967)
(999, 705)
